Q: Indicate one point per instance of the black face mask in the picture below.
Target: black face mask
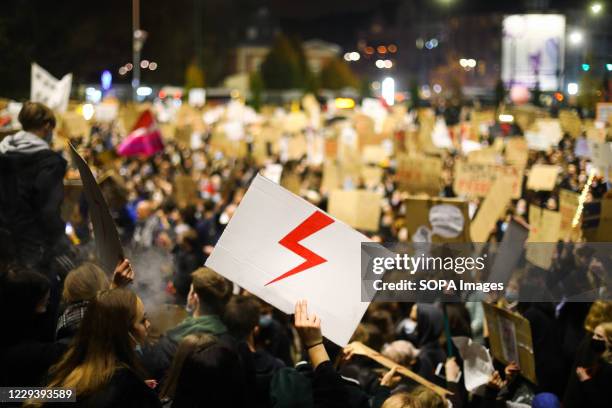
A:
(598, 346)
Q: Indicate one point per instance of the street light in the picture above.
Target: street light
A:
(596, 8)
(576, 37)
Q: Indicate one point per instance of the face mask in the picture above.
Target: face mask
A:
(189, 308)
(598, 346)
(137, 347)
(224, 219)
(48, 138)
(265, 320)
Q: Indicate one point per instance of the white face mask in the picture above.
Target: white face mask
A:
(224, 219)
(137, 346)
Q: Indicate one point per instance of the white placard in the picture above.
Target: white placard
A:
(319, 258)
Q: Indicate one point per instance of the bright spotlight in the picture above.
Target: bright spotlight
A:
(88, 111)
(388, 90)
(144, 91)
(575, 38)
(596, 8)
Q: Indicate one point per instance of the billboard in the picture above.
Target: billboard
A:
(532, 50)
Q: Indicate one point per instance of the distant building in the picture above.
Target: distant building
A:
(248, 56)
(259, 37)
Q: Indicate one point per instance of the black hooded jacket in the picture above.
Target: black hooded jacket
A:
(31, 194)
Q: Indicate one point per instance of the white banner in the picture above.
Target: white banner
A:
(45, 88)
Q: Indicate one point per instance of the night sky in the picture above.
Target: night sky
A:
(88, 37)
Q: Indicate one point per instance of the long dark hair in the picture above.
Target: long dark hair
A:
(102, 344)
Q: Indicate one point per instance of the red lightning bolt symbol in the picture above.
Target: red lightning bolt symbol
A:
(317, 221)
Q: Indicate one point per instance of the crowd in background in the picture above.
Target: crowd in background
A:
(67, 324)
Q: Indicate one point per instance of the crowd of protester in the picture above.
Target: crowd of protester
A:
(67, 324)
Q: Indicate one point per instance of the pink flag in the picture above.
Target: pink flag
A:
(144, 139)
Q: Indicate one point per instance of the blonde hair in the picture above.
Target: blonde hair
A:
(84, 283)
(600, 312)
(101, 347)
(607, 328)
(426, 398)
(401, 400)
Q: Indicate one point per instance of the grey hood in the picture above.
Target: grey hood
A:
(23, 142)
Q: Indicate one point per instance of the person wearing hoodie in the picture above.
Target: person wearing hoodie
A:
(32, 189)
(429, 326)
(207, 298)
(32, 231)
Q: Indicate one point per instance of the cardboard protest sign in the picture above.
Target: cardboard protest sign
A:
(282, 249)
(491, 209)
(273, 172)
(550, 129)
(361, 349)
(568, 204)
(73, 125)
(537, 141)
(291, 181)
(581, 148)
(594, 131)
(509, 253)
(108, 245)
(524, 116)
(510, 339)
(419, 174)
(106, 112)
(371, 175)
(374, 154)
(230, 148)
(440, 136)
(332, 178)
(570, 122)
(297, 147)
(476, 179)
(185, 190)
(517, 152)
(350, 165)
(295, 121)
(601, 154)
(603, 112)
(182, 135)
(604, 229)
(484, 156)
(331, 148)
(481, 120)
(544, 226)
(437, 220)
(542, 177)
(70, 203)
(358, 208)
